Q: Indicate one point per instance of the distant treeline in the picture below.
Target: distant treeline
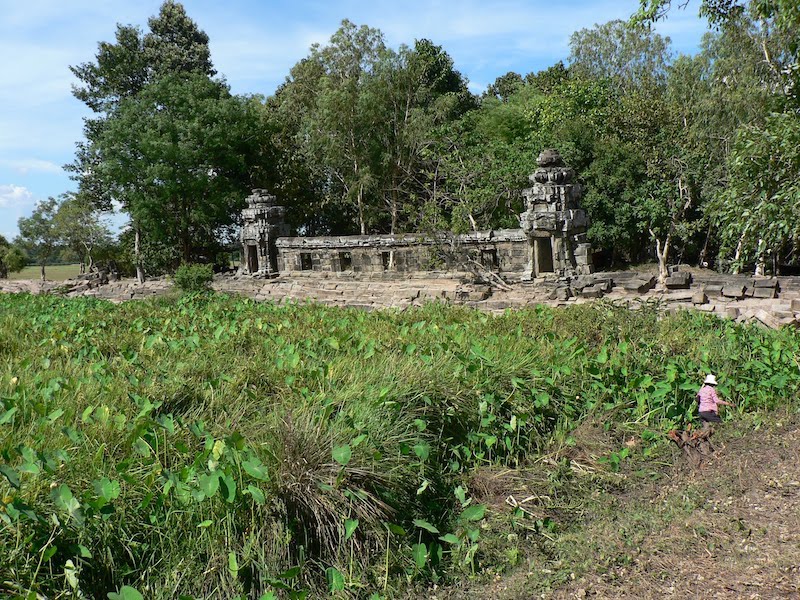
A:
(691, 158)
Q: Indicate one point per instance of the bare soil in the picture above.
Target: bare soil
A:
(727, 529)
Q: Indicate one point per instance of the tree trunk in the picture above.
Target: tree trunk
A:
(42, 265)
(362, 224)
(703, 260)
(137, 254)
(393, 208)
(761, 263)
(738, 253)
(662, 253)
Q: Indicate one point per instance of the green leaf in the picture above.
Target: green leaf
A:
(233, 564)
(422, 450)
(205, 524)
(257, 494)
(335, 579)
(350, 526)
(125, 593)
(71, 574)
(342, 454)
(106, 489)
(420, 554)
(55, 415)
(62, 497)
(425, 525)
(450, 539)
(474, 513)
(255, 468)
(209, 484)
(228, 488)
(11, 475)
(6, 416)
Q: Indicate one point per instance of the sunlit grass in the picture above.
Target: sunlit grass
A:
(52, 272)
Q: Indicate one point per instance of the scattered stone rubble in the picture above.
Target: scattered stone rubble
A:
(736, 297)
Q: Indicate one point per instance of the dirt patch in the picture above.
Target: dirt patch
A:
(729, 529)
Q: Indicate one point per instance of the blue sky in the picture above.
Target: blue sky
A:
(254, 44)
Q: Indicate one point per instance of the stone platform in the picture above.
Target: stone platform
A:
(771, 302)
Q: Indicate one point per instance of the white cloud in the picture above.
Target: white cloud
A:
(13, 196)
(25, 166)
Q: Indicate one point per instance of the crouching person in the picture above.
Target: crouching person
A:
(709, 402)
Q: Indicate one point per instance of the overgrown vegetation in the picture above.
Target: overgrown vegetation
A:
(193, 277)
(207, 446)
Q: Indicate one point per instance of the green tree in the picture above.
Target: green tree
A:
(621, 52)
(12, 258)
(358, 117)
(179, 153)
(79, 227)
(121, 70)
(39, 231)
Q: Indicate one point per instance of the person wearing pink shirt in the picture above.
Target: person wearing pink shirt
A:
(709, 402)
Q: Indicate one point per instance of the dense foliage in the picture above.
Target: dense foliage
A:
(683, 158)
(216, 447)
(193, 277)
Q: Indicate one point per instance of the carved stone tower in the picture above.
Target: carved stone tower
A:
(554, 222)
(263, 223)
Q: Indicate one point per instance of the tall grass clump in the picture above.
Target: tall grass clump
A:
(206, 446)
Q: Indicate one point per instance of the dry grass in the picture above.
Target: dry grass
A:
(730, 529)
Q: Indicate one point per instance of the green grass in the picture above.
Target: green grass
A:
(215, 447)
(52, 272)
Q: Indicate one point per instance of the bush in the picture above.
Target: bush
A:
(193, 277)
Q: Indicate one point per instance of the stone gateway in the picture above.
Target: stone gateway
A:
(550, 243)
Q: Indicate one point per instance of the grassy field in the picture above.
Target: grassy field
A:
(52, 272)
(208, 447)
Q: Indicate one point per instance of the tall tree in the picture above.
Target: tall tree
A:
(179, 153)
(39, 231)
(173, 46)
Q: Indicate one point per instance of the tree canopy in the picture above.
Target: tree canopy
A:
(683, 158)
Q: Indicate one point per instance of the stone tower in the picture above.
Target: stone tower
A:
(554, 222)
(262, 223)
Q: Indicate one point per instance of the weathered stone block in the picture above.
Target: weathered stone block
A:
(767, 319)
(640, 286)
(765, 283)
(593, 291)
(731, 312)
(560, 293)
(713, 289)
(795, 305)
(733, 291)
(763, 292)
(699, 298)
(679, 280)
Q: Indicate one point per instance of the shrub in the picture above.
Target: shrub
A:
(193, 277)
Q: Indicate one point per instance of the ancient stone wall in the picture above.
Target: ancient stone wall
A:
(502, 252)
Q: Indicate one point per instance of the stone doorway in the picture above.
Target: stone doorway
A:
(252, 258)
(544, 255)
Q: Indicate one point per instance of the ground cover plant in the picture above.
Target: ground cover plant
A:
(207, 446)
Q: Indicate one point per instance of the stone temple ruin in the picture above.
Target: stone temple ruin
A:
(549, 245)
(554, 223)
(263, 225)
